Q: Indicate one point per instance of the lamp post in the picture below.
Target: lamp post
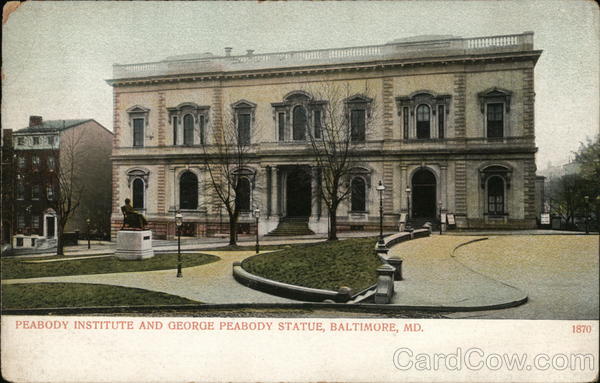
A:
(587, 214)
(88, 232)
(440, 210)
(408, 201)
(257, 216)
(178, 223)
(380, 189)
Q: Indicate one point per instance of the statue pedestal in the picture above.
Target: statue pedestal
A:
(134, 245)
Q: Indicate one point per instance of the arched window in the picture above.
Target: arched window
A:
(138, 193)
(495, 192)
(299, 125)
(242, 195)
(188, 191)
(358, 199)
(188, 130)
(423, 121)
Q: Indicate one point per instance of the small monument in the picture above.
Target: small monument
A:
(134, 242)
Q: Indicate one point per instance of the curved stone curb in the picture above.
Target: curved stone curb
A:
(287, 290)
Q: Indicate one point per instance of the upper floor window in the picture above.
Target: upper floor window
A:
(495, 120)
(281, 126)
(138, 132)
(35, 191)
(188, 130)
(51, 163)
(495, 106)
(423, 121)
(20, 190)
(138, 121)
(51, 140)
(50, 193)
(35, 162)
(20, 141)
(423, 114)
(299, 125)
(189, 123)
(36, 140)
(244, 119)
(21, 162)
(35, 221)
(317, 123)
(359, 111)
(20, 221)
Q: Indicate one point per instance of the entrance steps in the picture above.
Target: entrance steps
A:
(417, 223)
(289, 226)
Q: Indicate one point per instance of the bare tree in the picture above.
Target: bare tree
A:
(336, 132)
(226, 161)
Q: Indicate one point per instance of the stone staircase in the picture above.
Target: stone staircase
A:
(289, 226)
(417, 223)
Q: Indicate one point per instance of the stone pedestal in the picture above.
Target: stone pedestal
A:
(134, 245)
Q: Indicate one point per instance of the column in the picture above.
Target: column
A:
(269, 191)
(314, 192)
(172, 204)
(444, 187)
(402, 191)
(275, 190)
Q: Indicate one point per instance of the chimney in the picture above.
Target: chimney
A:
(35, 120)
(228, 51)
(250, 52)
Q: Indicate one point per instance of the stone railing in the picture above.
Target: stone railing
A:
(396, 50)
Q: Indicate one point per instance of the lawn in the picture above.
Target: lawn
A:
(53, 295)
(13, 268)
(326, 265)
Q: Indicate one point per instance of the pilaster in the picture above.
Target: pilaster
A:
(459, 96)
(162, 108)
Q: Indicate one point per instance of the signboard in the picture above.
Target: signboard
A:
(451, 219)
(443, 218)
(545, 219)
(403, 218)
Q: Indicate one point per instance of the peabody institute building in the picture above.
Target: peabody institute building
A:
(453, 131)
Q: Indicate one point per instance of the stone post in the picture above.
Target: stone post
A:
(385, 284)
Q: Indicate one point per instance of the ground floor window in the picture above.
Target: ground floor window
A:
(138, 194)
(242, 195)
(188, 191)
(495, 196)
(358, 194)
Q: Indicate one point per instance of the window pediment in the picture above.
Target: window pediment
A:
(488, 171)
(137, 109)
(134, 173)
(243, 104)
(423, 97)
(494, 95)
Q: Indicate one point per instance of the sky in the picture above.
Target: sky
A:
(57, 55)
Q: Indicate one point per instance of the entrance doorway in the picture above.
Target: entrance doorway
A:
(298, 193)
(424, 193)
(50, 226)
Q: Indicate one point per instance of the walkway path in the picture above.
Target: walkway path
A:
(210, 283)
(433, 278)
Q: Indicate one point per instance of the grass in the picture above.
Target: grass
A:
(15, 268)
(326, 265)
(53, 295)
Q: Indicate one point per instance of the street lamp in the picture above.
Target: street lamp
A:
(408, 201)
(257, 216)
(440, 210)
(380, 189)
(587, 214)
(88, 232)
(178, 223)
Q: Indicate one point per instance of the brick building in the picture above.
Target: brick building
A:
(42, 154)
(453, 132)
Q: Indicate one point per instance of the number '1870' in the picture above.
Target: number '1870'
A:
(582, 328)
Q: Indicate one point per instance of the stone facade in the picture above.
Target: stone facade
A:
(453, 131)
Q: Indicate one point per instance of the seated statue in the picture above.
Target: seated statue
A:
(131, 218)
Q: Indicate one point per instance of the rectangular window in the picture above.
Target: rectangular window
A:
(50, 193)
(20, 239)
(243, 128)
(20, 190)
(405, 121)
(20, 221)
(281, 126)
(35, 192)
(318, 126)
(495, 120)
(51, 140)
(35, 162)
(138, 132)
(174, 130)
(36, 140)
(51, 163)
(441, 116)
(35, 221)
(21, 162)
(201, 123)
(20, 140)
(357, 125)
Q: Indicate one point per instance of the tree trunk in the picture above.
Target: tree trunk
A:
(332, 225)
(232, 231)
(60, 244)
